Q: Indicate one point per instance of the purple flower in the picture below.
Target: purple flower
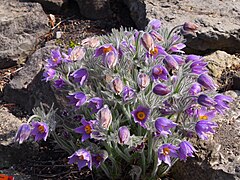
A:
(203, 114)
(222, 102)
(23, 133)
(161, 89)
(104, 116)
(159, 72)
(80, 76)
(40, 131)
(193, 58)
(155, 24)
(198, 67)
(165, 152)
(82, 157)
(49, 74)
(179, 59)
(95, 104)
(75, 54)
(178, 48)
(170, 62)
(110, 59)
(59, 83)
(156, 36)
(147, 41)
(99, 158)
(77, 99)
(123, 135)
(204, 127)
(143, 80)
(189, 28)
(104, 49)
(140, 115)
(116, 85)
(156, 51)
(195, 89)
(56, 58)
(85, 129)
(206, 81)
(185, 150)
(128, 93)
(163, 126)
(204, 100)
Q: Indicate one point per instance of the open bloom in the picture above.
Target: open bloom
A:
(155, 24)
(159, 72)
(128, 93)
(82, 157)
(49, 74)
(178, 48)
(123, 135)
(75, 54)
(116, 85)
(56, 58)
(165, 152)
(204, 100)
(85, 129)
(80, 76)
(203, 114)
(104, 49)
(99, 158)
(222, 102)
(40, 131)
(23, 133)
(163, 126)
(77, 99)
(90, 42)
(143, 80)
(104, 116)
(185, 150)
(95, 104)
(205, 127)
(161, 89)
(156, 51)
(206, 81)
(140, 115)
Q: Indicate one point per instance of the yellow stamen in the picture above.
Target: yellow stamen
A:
(106, 50)
(204, 117)
(81, 157)
(41, 129)
(99, 158)
(154, 51)
(141, 115)
(166, 151)
(88, 129)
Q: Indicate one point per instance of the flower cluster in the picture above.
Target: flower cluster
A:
(136, 95)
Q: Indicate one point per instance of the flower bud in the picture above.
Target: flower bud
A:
(155, 24)
(110, 60)
(195, 89)
(23, 133)
(123, 135)
(104, 117)
(143, 80)
(206, 81)
(147, 41)
(189, 28)
(128, 93)
(116, 85)
(170, 62)
(161, 89)
(204, 100)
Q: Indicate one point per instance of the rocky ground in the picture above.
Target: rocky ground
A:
(27, 33)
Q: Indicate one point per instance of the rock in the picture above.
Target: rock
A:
(50, 6)
(218, 20)
(21, 28)
(95, 9)
(225, 69)
(219, 157)
(27, 88)
(8, 127)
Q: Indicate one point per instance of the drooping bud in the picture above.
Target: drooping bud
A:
(170, 62)
(116, 85)
(23, 133)
(147, 41)
(123, 135)
(161, 89)
(206, 81)
(143, 80)
(104, 117)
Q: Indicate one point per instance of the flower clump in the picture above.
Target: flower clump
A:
(132, 99)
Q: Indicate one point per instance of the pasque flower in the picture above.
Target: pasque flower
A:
(56, 58)
(165, 152)
(185, 150)
(85, 129)
(82, 157)
(189, 28)
(40, 131)
(159, 72)
(104, 49)
(222, 102)
(59, 83)
(195, 89)
(80, 76)
(143, 80)
(178, 48)
(198, 67)
(147, 41)
(95, 104)
(141, 115)
(155, 24)
(161, 89)
(116, 85)
(204, 100)
(205, 127)
(77, 99)
(156, 51)
(49, 74)
(110, 59)
(75, 54)
(156, 36)
(206, 81)
(203, 114)
(128, 94)
(123, 135)
(99, 158)
(163, 126)
(170, 62)
(23, 133)
(104, 116)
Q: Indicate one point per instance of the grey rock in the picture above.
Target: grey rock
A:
(219, 157)
(21, 28)
(94, 9)
(219, 21)
(27, 88)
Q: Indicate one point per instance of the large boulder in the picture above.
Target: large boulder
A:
(218, 20)
(21, 28)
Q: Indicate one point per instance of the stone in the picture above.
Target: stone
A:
(218, 21)
(27, 88)
(94, 9)
(225, 69)
(219, 157)
(21, 28)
